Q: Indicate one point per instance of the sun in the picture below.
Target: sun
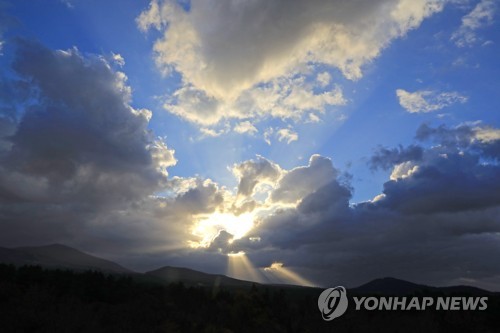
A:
(207, 228)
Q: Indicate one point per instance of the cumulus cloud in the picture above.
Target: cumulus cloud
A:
(253, 173)
(80, 166)
(300, 181)
(87, 172)
(82, 128)
(428, 101)
(449, 176)
(481, 16)
(287, 98)
(436, 222)
(228, 51)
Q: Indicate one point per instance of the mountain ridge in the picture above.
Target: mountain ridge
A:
(54, 256)
(190, 276)
(58, 256)
(394, 286)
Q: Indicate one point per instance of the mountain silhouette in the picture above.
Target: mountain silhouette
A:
(64, 257)
(393, 286)
(195, 278)
(58, 256)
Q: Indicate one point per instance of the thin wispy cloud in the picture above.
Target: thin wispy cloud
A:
(424, 101)
(481, 16)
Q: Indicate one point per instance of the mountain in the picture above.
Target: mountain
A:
(392, 286)
(58, 256)
(61, 256)
(195, 278)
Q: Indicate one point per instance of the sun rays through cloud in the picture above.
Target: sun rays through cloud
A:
(240, 267)
(221, 135)
(208, 228)
(278, 272)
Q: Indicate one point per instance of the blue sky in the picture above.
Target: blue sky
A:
(233, 82)
(424, 59)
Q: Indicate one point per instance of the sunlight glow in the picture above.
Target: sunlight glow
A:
(240, 267)
(209, 227)
(286, 275)
(236, 254)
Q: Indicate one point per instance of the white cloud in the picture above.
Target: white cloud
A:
(287, 135)
(212, 132)
(245, 127)
(313, 118)
(427, 101)
(482, 15)
(323, 79)
(403, 170)
(228, 51)
(486, 134)
(284, 98)
(297, 183)
(118, 59)
(267, 135)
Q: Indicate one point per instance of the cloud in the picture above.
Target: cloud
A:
(87, 172)
(6, 22)
(428, 101)
(245, 127)
(300, 181)
(210, 132)
(79, 163)
(448, 177)
(436, 222)
(80, 166)
(287, 98)
(82, 127)
(253, 173)
(118, 59)
(287, 135)
(481, 16)
(204, 197)
(323, 79)
(228, 51)
(386, 158)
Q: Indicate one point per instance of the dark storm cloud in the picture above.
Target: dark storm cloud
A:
(204, 198)
(459, 136)
(78, 164)
(451, 175)
(483, 140)
(80, 140)
(438, 221)
(386, 158)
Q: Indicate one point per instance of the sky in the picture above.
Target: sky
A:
(309, 142)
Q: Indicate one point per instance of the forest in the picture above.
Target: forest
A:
(35, 299)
